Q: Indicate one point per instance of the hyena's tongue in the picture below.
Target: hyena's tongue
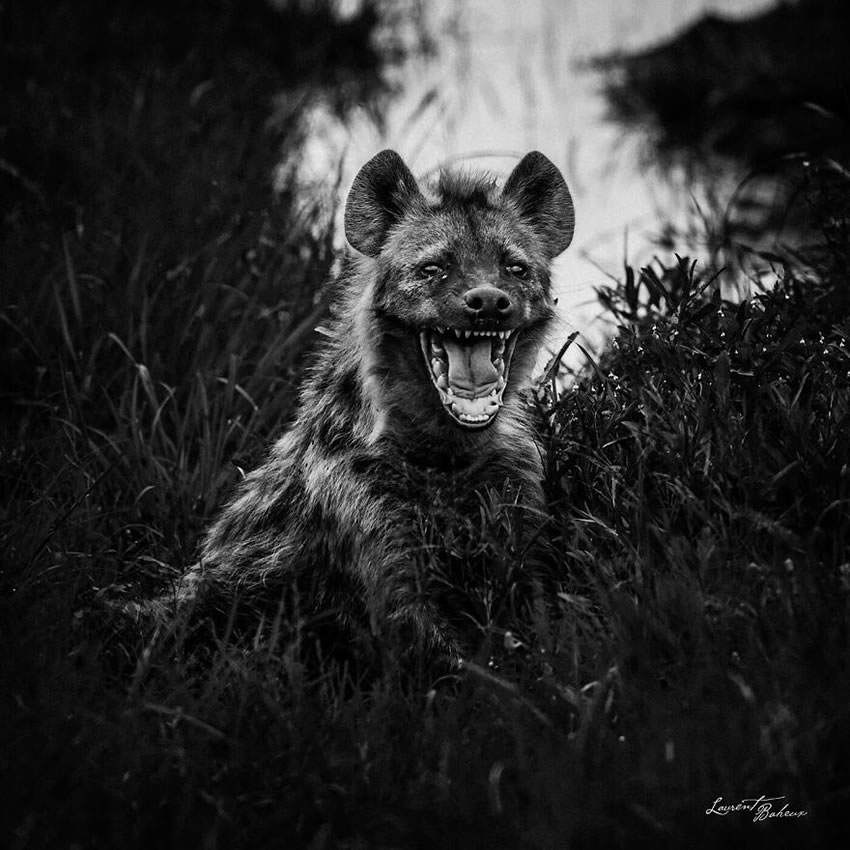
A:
(471, 371)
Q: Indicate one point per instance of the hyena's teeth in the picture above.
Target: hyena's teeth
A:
(439, 348)
(469, 417)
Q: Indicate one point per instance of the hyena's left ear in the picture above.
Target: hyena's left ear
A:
(540, 194)
(383, 189)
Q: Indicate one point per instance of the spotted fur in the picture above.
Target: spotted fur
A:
(335, 515)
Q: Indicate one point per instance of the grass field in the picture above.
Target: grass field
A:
(157, 309)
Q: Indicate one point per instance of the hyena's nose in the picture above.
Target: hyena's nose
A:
(487, 302)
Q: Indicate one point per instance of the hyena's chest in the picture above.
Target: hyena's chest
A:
(441, 500)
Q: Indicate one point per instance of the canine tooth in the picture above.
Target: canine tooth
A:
(467, 334)
(458, 333)
(500, 383)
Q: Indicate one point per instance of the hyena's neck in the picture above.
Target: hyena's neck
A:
(340, 404)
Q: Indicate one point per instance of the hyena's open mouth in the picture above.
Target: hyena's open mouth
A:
(470, 371)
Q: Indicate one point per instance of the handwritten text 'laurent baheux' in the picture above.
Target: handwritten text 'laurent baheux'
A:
(762, 808)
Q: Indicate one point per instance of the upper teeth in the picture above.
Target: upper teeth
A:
(466, 334)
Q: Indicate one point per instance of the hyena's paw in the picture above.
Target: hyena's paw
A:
(160, 609)
(418, 630)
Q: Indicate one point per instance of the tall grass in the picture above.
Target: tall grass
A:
(693, 648)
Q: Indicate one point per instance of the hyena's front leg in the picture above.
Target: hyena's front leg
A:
(399, 603)
(371, 525)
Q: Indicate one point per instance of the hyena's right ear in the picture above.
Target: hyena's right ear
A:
(383, 189)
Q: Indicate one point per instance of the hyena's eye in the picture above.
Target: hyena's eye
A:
(429, 270)
(516, 269)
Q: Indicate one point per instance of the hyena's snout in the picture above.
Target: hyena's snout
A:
(469, 365)
(487, 304)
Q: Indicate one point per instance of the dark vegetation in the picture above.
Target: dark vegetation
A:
(767, 98)
(156, 302)
(752, 89)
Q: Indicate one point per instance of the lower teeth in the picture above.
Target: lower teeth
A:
(466, 417)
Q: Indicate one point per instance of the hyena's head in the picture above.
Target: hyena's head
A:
(461, 288)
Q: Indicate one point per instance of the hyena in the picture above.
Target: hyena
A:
(413, 403)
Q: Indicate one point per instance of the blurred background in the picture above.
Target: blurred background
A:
(679, 124)
(492, 80)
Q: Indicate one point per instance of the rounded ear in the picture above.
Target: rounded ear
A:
(382, 191)
(540, 194)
